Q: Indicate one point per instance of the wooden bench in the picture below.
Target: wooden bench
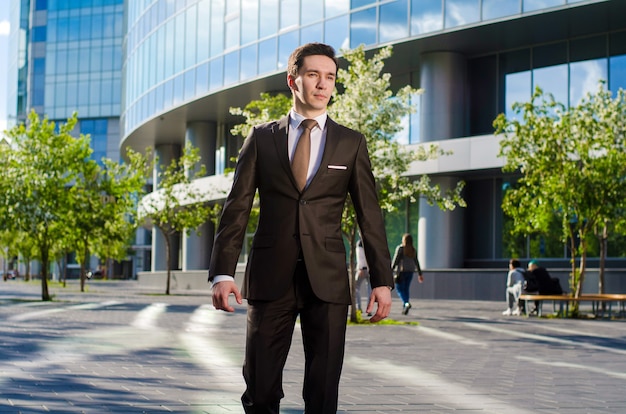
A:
(598, 302)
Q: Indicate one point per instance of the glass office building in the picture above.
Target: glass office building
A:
(187, 62)
(66, 57)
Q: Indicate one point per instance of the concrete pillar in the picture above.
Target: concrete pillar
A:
(443, 107)
(440, 238)
(166, 154)
(196, 251)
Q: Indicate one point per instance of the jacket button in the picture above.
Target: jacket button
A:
(303, 202)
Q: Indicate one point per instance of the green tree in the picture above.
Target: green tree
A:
(37, 174)
(368, 105)
(178, 204)
(103, 202)
(573, 164)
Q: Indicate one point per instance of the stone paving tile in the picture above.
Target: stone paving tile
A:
(120, 349)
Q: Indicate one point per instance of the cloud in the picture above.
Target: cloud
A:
(5, 28)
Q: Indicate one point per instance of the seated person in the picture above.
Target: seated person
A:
(547, 285)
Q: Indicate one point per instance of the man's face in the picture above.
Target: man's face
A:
(313, 86)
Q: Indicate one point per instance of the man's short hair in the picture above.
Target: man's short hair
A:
(309, 49)
(515, 263)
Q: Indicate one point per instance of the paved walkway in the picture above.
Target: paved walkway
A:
(120, 349)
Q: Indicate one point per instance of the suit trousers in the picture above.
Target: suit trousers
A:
(270, 329)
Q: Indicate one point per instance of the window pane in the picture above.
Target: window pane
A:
(363, 28)
(286, 44)
(336, 32)
(492, 9)
(553, 80)
(268, 18)
(530, 5)
(311, 34)
(584, 77)
(288, 13)
(217, 27)
(426, 16)
(618, 73)
(393, 21)
(517, 89)
(462, 12)
(216, 73)
(202, 35)
(249, 21)
(248, 62)
(336, 7)
(268, 55)
(311, 11)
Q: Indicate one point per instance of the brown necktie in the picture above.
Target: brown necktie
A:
(300, 161)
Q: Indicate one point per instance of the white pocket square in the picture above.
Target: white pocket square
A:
(338, 167)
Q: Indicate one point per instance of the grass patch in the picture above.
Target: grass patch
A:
(386, 321)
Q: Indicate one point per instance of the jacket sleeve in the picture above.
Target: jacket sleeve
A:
(234, 220)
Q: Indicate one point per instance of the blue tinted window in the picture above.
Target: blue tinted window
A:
(312, 33)
(336, 7)
(518, 88)
(584, 77)
(216, 73)
(289, 13)
(268, 55)
(248, 66)
(336, 32)
(531, 5)
(39, 34)
(492, 9)
(311, 11)
(461, 12)
(232, 33)
(618, 73)
(41, 4)
(363, 28)
(359, 3)
(202, 35)
(231, 66)
(190, 84)
(202, 79)
(553, 79)
(217, 27)
(394, 22)
(249, 21)
(268, 18)
(286, 44)
(426, 16)
(190, 37)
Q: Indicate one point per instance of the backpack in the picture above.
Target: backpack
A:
(530, 282)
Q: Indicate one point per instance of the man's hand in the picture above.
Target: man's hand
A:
(382, 295)
(221, 292)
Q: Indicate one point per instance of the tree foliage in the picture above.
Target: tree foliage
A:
(53, 192)
(367, 104)
(572, 163)
(178, 204)
(37, 174)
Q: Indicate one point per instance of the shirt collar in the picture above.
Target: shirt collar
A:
(295, 119)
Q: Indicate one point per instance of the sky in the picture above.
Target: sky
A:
(4, 45)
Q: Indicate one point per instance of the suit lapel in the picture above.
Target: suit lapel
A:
(280, 131)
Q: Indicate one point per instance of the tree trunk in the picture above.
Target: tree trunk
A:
(603, 252)
(168, 263)
(45, 294)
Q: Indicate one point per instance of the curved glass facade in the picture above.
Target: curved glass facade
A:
(178, 51)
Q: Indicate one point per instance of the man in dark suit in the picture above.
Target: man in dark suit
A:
(297, 264)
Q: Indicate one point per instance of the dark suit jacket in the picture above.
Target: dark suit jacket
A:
(311, 219)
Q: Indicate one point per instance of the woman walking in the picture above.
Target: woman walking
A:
(405, 264)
